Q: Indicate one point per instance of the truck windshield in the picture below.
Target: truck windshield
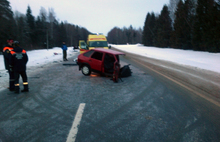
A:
(83, 45)
(98, 44)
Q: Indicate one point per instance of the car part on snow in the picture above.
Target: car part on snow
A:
(125, 71)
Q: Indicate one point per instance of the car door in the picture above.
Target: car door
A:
(109, 61)
(96, 61)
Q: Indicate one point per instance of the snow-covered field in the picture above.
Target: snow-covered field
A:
(202, 60)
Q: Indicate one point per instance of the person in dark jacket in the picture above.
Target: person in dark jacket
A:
(6, 55)
(64, 47)
(18, 63)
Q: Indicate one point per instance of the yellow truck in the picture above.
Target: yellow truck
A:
(93, 41)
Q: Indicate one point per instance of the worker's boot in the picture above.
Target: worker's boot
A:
(17, 90)
(11, 85)
(25, 89)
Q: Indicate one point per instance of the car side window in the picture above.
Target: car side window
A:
(88, 54)
(110, 57)
(97, 55)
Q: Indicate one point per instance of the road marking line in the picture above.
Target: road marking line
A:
(181, 84)
(74, 129)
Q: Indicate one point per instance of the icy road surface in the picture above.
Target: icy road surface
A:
(144, 107)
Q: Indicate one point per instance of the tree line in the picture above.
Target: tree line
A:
(193, 24)
(43, 31)
(188, 24)
(125, 35)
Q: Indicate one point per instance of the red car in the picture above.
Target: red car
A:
(99, 60)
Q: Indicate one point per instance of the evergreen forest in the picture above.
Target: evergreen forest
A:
(189, 24)
(41, 32)
(182, 24)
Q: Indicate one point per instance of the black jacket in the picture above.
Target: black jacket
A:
(18, 59)
(6, 54)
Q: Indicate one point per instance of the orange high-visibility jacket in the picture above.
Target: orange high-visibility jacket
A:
(7, 55)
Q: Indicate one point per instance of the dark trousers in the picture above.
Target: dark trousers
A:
(11, 80)
(24, 78)
(64, 54)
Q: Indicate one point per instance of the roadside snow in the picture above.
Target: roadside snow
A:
(202, 60)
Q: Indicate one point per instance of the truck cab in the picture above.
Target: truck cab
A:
(93, 41)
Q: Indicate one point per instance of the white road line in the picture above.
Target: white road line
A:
(73, 131)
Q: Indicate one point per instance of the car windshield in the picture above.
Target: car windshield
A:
(98, 44)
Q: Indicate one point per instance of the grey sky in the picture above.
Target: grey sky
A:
(97, 16)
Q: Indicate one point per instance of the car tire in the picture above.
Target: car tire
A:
(86, 70)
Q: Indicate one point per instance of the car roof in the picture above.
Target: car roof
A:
(110, 51)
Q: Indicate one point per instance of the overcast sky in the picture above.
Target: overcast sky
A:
(97, 16)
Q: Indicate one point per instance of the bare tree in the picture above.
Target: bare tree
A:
(21, 32)
(52, 17)
(43, 14)
(172, 9)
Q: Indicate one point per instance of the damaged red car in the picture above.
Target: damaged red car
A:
(99, 60)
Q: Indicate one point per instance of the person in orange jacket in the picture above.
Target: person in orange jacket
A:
(6, 55)
(18, 63)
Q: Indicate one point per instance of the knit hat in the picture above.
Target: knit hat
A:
(10, 40)
(16, 43)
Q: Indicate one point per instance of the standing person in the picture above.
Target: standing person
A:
(6, 54)
(64, 47)
(18, 63)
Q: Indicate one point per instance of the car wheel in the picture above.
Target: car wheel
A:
(86, 70)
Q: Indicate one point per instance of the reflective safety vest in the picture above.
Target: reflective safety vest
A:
(13, 52)
(8, 49)
(6, 53)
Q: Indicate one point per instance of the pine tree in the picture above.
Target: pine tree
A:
(181, 37)
(218, 25)
(179, 26)
(205, 25)
(63, 35)
(30, 18)
(216, 40)
(6, 22)
(189, 7)
(164, 28)
(41, 33)
(148, 32)
(152, 26)
(145, 30)
(31, 23)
